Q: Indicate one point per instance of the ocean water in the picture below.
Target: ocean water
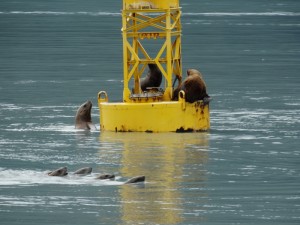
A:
(54, 55)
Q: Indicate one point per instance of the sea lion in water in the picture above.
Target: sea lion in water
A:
(83, 171)
(105, 176)
(152, 79)
(193, 86)
(83, 119)
(134, 180)
(62, 171)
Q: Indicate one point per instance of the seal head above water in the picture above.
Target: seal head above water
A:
(83, 171)
(83, 118)
(62, 171)
(105, 176)
(134, 180)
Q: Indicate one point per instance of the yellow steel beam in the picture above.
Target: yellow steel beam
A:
(147, 23)
(143, 50)
(144, 17)
(151, 35)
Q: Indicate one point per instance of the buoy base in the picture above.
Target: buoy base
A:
(164, 116)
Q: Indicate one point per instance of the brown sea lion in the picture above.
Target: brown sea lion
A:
(83, 171)
(105, 176)
(62, 171)
(83, 119)
(193, 86)
(152, 79)
(134, 180)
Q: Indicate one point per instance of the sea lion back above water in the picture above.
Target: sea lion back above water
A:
(83, 119)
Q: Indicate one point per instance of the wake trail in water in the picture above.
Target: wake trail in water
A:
(10, 177)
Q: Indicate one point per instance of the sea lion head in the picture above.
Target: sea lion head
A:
(83, 171)
(83, 117)
(105, 176)
(62, 171)
(191, 72)
(137, 179)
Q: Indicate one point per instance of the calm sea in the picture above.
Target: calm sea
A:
(54, 55)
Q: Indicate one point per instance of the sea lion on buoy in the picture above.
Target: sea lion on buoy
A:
(152, 79)
(62, 171)
(134, 180)
(83, 171)
(193, 86)
(83, 119)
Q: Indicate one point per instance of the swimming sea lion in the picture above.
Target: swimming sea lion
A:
(193, 86)
(152, 79)
(83, 119)
(134, 180)
(105, 176)
(62, 171)
(83, 171)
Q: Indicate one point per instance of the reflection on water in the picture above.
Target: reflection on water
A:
(164, 159)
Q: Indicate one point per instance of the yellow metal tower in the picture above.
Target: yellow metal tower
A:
(150, 20)
(151, 31)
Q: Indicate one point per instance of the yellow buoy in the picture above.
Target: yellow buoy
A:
(145, 23)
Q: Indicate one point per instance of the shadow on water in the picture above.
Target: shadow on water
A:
(173, 165)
